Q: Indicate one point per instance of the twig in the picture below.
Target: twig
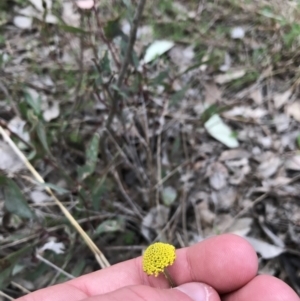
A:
(98, 254)
(125, 64)
(126, 196)
(52, 229)
(6, 296)
(20, 287)
(55, 267)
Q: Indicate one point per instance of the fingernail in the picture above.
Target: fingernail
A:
(196, 291)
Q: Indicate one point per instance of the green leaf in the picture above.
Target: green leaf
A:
(8, 263)
(178, 96)
(14, 200)
(35, 105)
(105, 63)
(220, 131)
(40, 129)
(72, 29)
(120, 92)
(112, 28)
(56, 188)
(91, 157)
(97, 193)
(158, 80)
(169, 195)
(209, 112)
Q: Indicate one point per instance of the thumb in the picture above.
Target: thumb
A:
(187, 292)
(198, 291)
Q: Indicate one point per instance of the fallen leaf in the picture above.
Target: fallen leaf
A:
(212, 93)
(224, 198)
(241, 226)
(281, 98)
(282, 122)
(16, 125)
(156, 49)
(169, 195)
(256, 96)
(226, 64)
(9, 161)
(154, 221)
(233, 154)
(218, 175)
(266, 250)
(268, 167)
(229, 76)
(237, 33)
(246, 112)
(220, 131)
(69, 16)
(182, 56)
(39, 197)
(52, 112)
(52, 245)
(293, 110)
(110, 226)
(22, 22)
(293, 163)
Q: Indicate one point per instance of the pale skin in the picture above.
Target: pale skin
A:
(220, 268)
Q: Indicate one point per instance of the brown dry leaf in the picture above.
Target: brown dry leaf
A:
(233, 154)
(281, 98)
(206, 215)
(241, 226)
(212, 93)
(224, 198)
(293, 110)
(246, 112)
(229, 76)
(256, 96)
(282, 122)
(293, 163)
(9, 161)
(269, 165)
(154, 221)
(218, 175)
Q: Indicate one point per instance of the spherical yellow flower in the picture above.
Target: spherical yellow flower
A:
(157, 257)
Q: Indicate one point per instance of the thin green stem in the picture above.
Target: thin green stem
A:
(169, 278)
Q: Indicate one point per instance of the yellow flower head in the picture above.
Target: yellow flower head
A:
(157, 257)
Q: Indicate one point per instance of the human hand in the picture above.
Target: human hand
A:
(219, 268)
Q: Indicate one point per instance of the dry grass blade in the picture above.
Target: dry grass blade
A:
(6, 296)
(103, 262)
(47, 262)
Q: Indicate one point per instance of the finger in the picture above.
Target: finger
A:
(186, 292)
(263, 288)
(225, 262)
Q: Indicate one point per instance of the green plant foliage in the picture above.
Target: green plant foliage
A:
(14, 200)
(91, 156)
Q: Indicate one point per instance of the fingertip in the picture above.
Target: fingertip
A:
(264, 288)
(225, 262)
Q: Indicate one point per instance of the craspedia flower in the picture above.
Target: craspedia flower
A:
(157, 257)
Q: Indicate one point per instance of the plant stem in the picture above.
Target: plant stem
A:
(116, 95)
(169, 278)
